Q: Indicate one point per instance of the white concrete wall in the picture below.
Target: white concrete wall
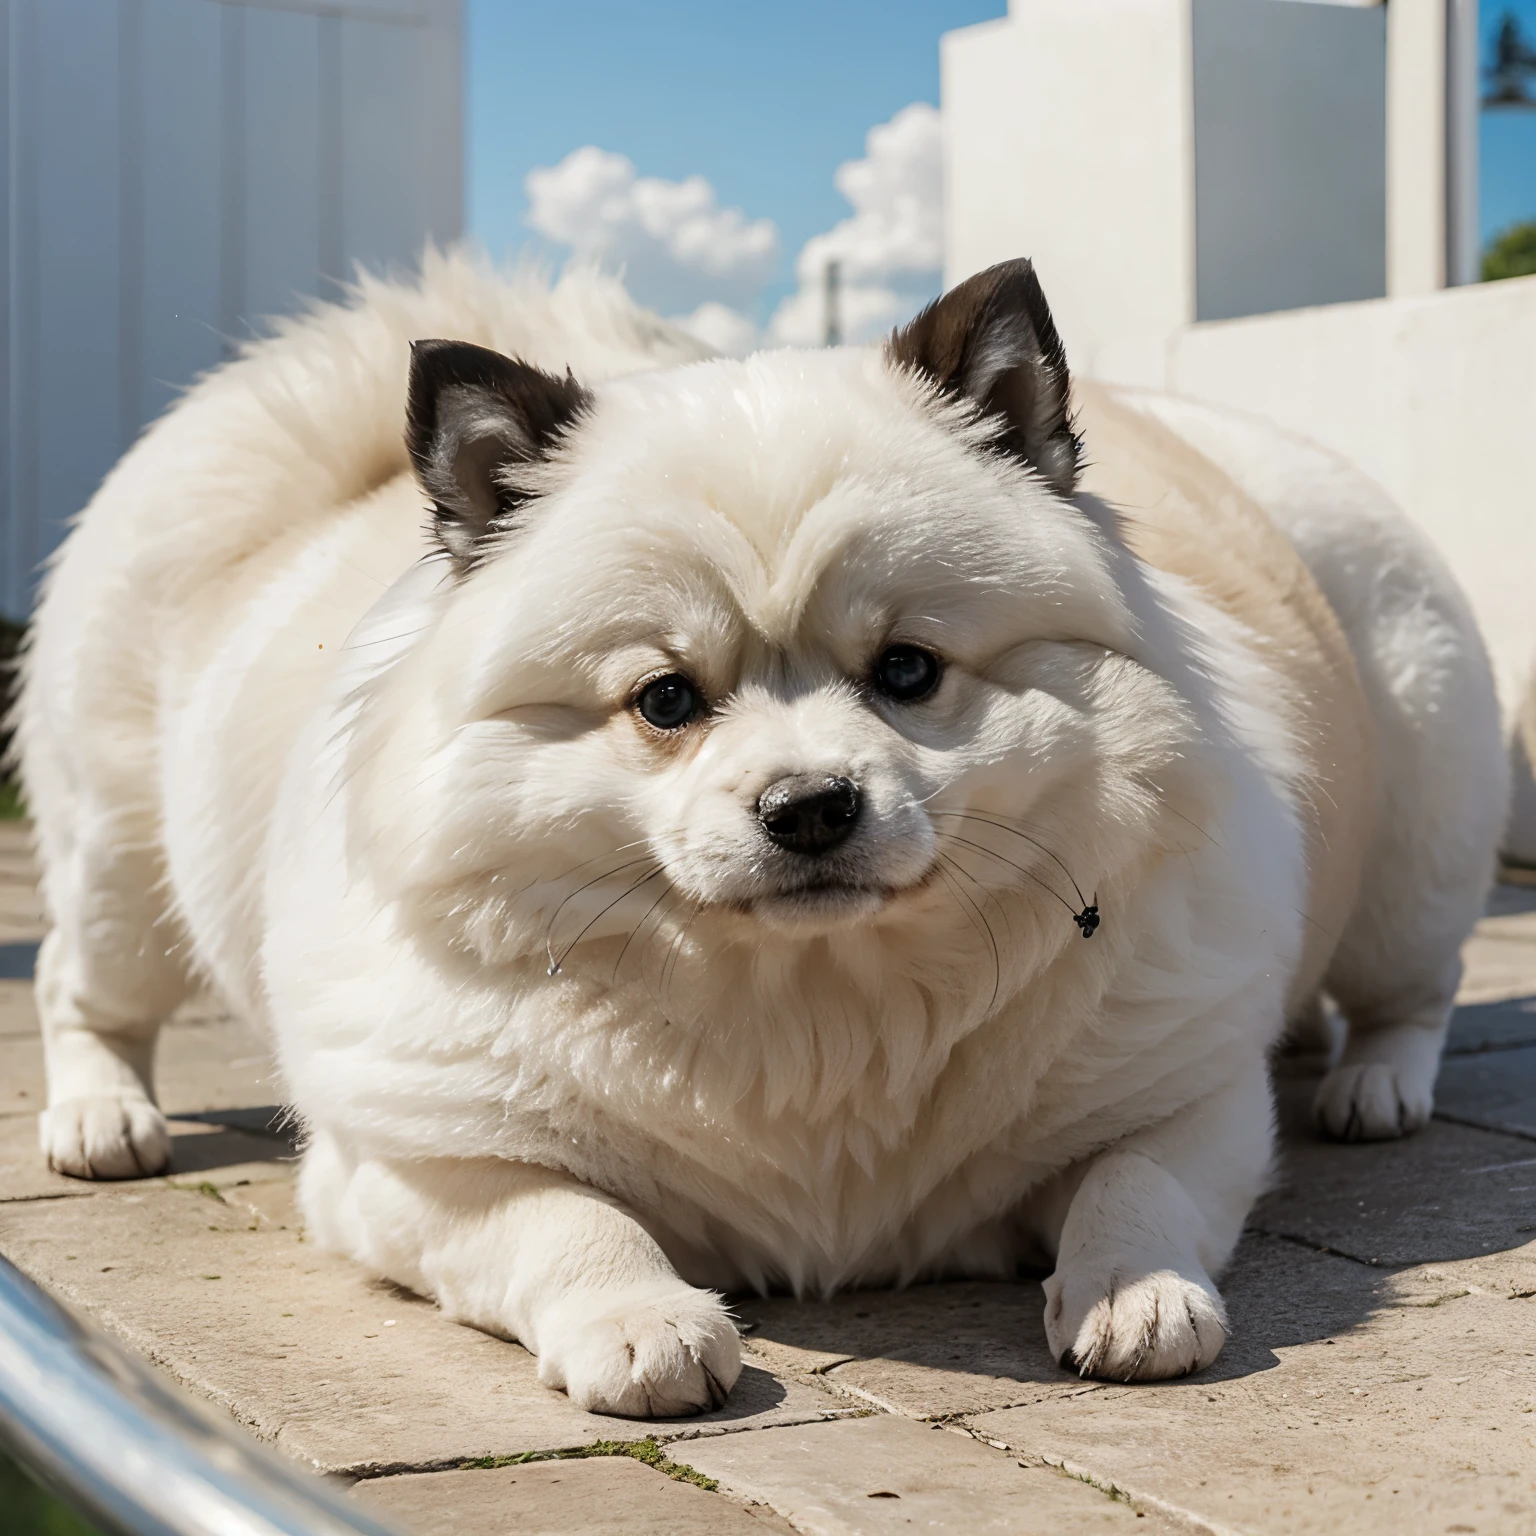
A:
(1168, 160)
(1067, 131)
(1435, 397)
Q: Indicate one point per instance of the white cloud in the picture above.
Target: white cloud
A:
(677, 247)
(725, 329)
(686, 256)
(891, 250)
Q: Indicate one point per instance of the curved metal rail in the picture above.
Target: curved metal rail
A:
(133, 1451)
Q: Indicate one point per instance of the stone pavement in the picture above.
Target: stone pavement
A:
(1381, 1376)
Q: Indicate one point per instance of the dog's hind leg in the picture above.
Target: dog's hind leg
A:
(1395, 977)
(107, 975)
(1431, 854)
(113, 967)
(1443, 771)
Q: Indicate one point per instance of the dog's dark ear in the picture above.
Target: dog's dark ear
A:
(474, 419)
(992, 340)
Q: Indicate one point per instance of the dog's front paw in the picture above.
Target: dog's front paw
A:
(1372, 1101)
(1143, 1327)
(647, 1352)
(105, 1136)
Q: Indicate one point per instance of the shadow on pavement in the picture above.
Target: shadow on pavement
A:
(1317, 1260)
(225, 1138)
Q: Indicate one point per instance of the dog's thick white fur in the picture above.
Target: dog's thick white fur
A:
(580, 1034)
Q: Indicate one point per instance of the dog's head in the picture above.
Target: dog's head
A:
(810, 648)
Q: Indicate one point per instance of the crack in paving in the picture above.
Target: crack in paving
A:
(1488, 1047)
(1037, 1392)
(1312, 1245)
(647, 1452)
(1436, 1301)
(372, 1471)
(1139, 1500)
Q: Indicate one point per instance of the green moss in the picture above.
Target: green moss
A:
(1439, 1301)
(28, 1509)
(648, 1451)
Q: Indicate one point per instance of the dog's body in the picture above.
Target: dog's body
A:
(572, 1020)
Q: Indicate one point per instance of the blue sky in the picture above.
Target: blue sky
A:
(1508, 139)
(764, 101)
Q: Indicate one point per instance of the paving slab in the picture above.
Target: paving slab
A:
(1450, 1192)
(942, 1352)
(1382, 1307)
(930, 1352)
(1503, 1276)
(593, 1497)
(1348, 1400)
(18, 1018)
(1495, 1026)
(1497, 958)
(1492, 1089)
(349, 1374)
(23, 1173)
(882, 1474)
(1509, 896)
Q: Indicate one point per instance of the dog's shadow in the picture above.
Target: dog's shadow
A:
(963, 1329)
(214, 1139)
(1317, 1260)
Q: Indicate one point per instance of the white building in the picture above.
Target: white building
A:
(174, 171)
(1269, 204)
(1174, 161)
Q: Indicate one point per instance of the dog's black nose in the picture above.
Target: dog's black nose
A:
(807, 813)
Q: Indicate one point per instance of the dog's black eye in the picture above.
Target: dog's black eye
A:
(904, 672)
(669, 702)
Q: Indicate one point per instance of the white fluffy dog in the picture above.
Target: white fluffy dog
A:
(776, 829)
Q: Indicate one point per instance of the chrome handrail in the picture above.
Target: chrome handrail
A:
(133, 1451)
